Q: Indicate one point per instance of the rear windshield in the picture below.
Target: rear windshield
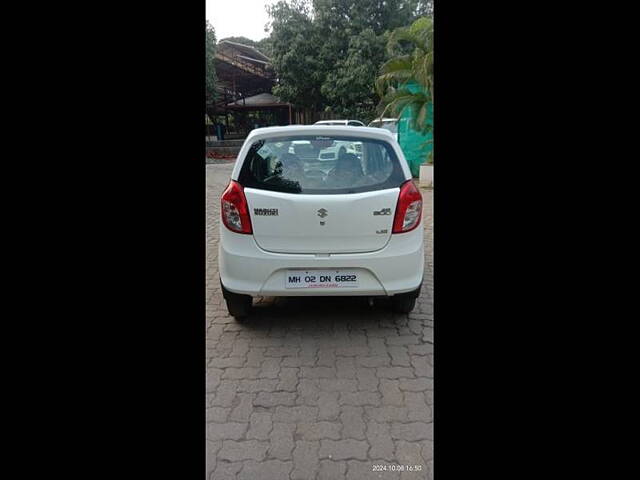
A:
(321, 165)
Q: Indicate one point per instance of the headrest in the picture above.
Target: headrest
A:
(348, 161)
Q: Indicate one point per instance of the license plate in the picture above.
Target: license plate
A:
(320, 279)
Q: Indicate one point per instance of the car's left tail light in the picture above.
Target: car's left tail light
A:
(234, 209)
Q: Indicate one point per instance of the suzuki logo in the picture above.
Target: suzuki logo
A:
(322, 213)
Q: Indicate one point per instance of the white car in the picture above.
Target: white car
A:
(288, 231)
(390, 124)
(338, 149)
(306, 151)
(351, 123)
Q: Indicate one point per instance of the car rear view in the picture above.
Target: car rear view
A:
(295, 224)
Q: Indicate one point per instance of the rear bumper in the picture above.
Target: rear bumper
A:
(247, 269)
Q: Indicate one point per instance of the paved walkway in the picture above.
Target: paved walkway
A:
(317, 388)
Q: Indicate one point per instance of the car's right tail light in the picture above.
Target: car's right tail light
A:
(234, 209)
(409, 208)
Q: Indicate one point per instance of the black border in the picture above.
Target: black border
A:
(118, 164)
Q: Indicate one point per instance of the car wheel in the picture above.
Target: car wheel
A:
(403, 303)
(238, 305)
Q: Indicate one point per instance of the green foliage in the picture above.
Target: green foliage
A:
(295, 41)
(424, 8)
(327, 53)
(349, 87)
(429, 160)
(210, 71)
(412, 48)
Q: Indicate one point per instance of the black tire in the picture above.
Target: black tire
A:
(238, 305)
(403, 303)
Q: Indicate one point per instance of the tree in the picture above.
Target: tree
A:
(295, 41)
(352, 52)
(327, 53)
(405, 68)
(349, 87)
(210, 70)
(424, 8)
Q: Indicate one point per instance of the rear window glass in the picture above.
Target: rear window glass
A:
(321, 165)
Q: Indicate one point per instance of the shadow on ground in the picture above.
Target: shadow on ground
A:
(318, 313)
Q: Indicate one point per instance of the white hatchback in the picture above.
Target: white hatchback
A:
(293, 227)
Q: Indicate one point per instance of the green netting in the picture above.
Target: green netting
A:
(415, 146)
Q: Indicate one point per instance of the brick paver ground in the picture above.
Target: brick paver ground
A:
(317, 388)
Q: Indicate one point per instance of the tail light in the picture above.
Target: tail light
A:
(234, 209)
(409, 208)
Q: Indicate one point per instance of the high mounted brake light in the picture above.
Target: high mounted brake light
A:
(234, 209)
(409, 208)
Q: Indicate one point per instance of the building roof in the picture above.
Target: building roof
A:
(242, 69)
(260, 100)
(245, 51)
